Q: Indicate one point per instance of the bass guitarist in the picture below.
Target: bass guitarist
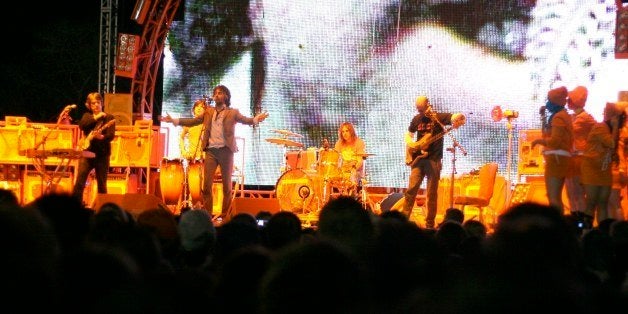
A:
(425, 154)
(98, 131)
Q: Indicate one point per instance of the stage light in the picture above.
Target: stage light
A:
(126, 62)
(140, 11)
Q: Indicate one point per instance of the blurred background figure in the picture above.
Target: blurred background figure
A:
(190, 138)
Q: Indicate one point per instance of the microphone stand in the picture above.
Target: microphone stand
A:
(41, 162)
(62, 115)
(455, 145)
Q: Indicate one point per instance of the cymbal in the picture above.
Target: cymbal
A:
(284, 142)
(365, 155)
(287, 133)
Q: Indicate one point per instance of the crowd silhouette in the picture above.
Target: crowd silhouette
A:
(67, 257)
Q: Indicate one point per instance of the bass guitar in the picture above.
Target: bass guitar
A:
(417, 151)
(84, 143)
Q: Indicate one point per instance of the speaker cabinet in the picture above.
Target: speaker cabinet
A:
(535, 191)
(34, 186)
(9, 172)
(531, 160)
(530, 192)
(137, 149)
(130, 150)
(121, 107)
(394, 201)
(254, 205)
(135, 204)
(117, 183)
(13, 141)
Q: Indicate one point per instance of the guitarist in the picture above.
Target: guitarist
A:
(97, 128)
(425, 154)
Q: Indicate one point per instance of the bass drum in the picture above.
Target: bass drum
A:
(171, 180)
(297, 192)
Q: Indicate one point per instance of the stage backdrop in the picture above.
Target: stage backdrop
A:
(314, 64)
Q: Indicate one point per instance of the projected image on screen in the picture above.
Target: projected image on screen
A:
(315, 64)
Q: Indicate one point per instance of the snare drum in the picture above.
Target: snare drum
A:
(171, 180)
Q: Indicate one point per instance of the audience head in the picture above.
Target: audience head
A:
(454, 214)
(8, 197)
(67, 216)
(283, 228)
(344, 220)
(475, 228)
(196, 230)
(320, 271)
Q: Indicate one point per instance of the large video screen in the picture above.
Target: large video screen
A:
(315, 64)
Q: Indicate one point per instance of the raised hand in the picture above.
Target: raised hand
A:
(167, 119)
(261, 117)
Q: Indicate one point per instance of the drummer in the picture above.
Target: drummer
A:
(351, 149)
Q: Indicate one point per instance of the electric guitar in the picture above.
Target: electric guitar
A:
(84, 143)
(419, 147)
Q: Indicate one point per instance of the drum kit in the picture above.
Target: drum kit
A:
(310, 177)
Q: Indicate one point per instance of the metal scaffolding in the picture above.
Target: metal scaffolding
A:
(108, 33)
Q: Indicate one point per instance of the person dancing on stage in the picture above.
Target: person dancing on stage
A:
(557, 137)
(425, 155)
(582, 122)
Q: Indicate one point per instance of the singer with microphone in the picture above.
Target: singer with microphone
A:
(98, 130)
(218, 143)
(424, 155)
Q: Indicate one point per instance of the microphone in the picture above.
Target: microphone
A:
(69, 107)
(207, 98)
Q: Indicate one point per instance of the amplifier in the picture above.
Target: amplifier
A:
(531, 160)
(34, 186)
(9, 172)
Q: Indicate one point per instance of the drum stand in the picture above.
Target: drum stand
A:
(364, 182)
(186, 202)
